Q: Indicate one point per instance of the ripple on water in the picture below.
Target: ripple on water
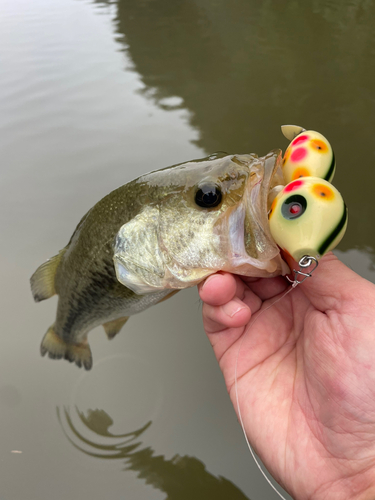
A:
(125, 387)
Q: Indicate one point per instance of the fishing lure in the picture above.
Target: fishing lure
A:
(307, 218)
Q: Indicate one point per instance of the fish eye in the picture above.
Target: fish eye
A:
(293, 207)
(208, 196)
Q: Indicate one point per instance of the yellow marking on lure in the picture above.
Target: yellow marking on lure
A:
(323, 191)
(301, 172)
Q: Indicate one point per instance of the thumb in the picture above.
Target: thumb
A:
(332, 284)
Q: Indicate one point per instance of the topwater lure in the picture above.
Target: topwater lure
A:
(308, 217)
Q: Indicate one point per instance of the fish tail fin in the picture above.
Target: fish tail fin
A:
(57, 348)
(112, 328)
(43, 280)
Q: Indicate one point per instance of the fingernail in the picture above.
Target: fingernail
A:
(211, 278)
(233, 307)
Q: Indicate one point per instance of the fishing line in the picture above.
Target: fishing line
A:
(304, 263)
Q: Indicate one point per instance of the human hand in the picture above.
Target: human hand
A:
(306, 375)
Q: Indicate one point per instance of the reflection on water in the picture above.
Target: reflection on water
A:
(221, 58)
(181, 478)
(242, 69)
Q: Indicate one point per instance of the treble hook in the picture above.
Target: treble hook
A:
(305, 262)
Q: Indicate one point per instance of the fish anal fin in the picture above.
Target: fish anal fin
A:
(43, 280)
(112, 328)
(173, 292)
(57, 348)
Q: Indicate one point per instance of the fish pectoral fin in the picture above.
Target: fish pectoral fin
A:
(43, 280)
(57, 348)
(112, 328)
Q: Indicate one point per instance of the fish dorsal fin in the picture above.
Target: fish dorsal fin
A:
(43, 280)
(112, 328)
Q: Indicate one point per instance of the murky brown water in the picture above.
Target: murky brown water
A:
(93, 94)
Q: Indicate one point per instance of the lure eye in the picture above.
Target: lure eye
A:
(208, 196)
(293, 207)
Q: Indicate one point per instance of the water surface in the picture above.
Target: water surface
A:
(93, 94)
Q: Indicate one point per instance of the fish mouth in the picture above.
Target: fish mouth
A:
(250, 240)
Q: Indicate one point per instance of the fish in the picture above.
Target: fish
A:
(162, 232)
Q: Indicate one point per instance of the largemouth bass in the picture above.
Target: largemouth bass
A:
(159, 233)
